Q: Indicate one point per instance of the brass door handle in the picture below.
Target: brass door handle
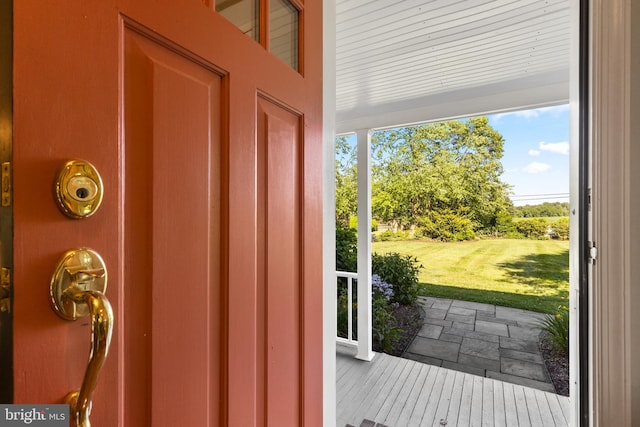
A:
(77, 290)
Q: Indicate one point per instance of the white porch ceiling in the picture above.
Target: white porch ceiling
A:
(410, 61)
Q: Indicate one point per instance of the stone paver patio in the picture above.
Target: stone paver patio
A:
(482, 339)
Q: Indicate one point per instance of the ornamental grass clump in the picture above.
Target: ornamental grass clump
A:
(557, 326)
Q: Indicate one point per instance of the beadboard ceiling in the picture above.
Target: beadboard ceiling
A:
(410, 61)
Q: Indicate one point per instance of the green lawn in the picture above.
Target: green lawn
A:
(528, 274)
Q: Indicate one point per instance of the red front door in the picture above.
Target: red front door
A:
(209, 147)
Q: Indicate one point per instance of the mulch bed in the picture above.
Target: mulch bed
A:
(557, 365)
(409, 318)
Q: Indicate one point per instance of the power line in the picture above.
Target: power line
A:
(539, 195)
(542, 198)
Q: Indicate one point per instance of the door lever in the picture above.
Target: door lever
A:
(77, 290)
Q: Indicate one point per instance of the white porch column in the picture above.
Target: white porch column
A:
(364, 246)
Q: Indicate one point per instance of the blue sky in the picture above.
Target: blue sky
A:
(536, 153)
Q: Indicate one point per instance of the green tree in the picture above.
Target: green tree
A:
(346, 180)
(547, 209)
(453, 165)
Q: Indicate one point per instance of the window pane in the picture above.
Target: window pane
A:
(283, 32)
(242, 13)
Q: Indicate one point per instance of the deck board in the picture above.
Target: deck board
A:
(556, 410)
(403, 393)
(447, 394)
(464, 419)
(499, 404)
(487, 404)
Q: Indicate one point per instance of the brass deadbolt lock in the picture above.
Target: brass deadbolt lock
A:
(78, 189)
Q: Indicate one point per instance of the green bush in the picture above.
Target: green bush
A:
(346, 248)
(448, 226)
(560, 228)
(514, 235)
(533, 228)
(385, 332)
(384, 329)
(401, 271)
(389, 235)
(418, 234)
(504, 223)
(558, 328)
(353, 223)
(343, 316)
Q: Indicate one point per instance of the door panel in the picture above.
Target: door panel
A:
(279, 258)
(211, 224)
(172, 107)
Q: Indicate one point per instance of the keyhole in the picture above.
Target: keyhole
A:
(82, 193)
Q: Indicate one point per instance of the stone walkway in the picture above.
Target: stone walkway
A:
(482, 339)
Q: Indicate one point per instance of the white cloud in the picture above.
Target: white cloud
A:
(534, 153)
(527, 114)
(532, 114)
(555, 147)
(536, 167)
(554, 110)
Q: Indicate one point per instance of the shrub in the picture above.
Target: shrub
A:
(389, 235)
(560, 228)
(346, 248)
(385, 332)
(380, 288)
(343, 317)
(353, 223)
(504, 223)
(558, 328)
(402, 272)
(447, 226)
(514, 235)
(533, 228)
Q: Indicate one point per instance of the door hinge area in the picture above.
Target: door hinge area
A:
(5, 290)
(593, 252)
(6, 184)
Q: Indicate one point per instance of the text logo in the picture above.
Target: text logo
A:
(34, 415)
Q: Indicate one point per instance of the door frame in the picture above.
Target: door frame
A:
(329, 287)
(6, 213)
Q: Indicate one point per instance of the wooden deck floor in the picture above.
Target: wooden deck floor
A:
(402, 393)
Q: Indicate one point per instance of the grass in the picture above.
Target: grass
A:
(527, 274)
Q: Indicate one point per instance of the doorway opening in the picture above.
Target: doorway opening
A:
(578, 169)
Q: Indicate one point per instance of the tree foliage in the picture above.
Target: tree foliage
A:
(346, 181)
(446, 166)
(547, 209)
